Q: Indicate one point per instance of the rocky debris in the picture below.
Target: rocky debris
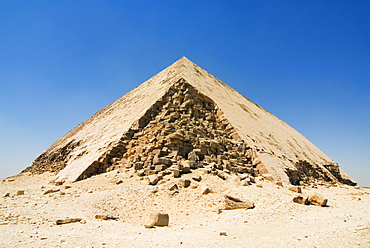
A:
(185, 166)
(154, 190)
(48, 191)
(183, 131)
(268, 177)
(176, 173)
(54, 160)
(306, 173)
(204, 190)
(230, 203)
(157, 219)
(7, 194)
(67, 221)
(19, 192)
(173, 187)
(223, 234)
(318, 200)
(246, 182)
(261, 168)
(246, 177)
(184, 183)
(197, 178)
(296, 189)
(119, 181)
(314, 199)
(221, 175)
(154, 179)
(105, 217)
(301, 200)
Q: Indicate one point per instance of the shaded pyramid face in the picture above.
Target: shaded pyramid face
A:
(181, 120)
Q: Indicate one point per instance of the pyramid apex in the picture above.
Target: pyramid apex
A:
(181, 65)
(184, 60)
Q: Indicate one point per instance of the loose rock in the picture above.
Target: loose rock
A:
(184, 183)
(185, 166)
(197, 178)
(173, 187)
(51, 191)
(231, 202)
(295, 189)
(20, 192)
(176, 173)
(204, 190)
(318, 200)
(157, 219)
(153, 179)
(105, 217)
(279, 183)
(301, 200)
(68, 220)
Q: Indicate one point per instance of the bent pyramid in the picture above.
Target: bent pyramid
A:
(182, 119)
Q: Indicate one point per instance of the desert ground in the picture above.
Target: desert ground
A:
(30, 207)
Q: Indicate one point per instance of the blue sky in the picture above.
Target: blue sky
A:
(307, 62)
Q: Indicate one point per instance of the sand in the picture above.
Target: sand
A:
(29, 220)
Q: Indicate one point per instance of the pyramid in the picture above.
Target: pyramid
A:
(184, 119)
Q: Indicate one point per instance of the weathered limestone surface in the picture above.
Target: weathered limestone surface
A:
(183, 119)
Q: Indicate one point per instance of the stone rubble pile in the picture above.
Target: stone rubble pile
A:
(181, 132)
(53, 162)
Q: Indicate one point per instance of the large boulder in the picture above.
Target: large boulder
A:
(184, 183)
(154, 179)
(157, 219)
(318, 200)
(301, 200)
(231, 202)
(185, 166)
(314, 199)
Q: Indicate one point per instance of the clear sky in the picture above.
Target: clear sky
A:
(307, 62)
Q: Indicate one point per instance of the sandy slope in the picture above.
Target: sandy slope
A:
(29, 220)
